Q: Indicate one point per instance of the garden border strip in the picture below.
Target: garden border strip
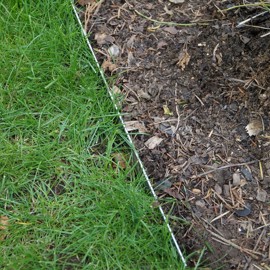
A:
(127, 134)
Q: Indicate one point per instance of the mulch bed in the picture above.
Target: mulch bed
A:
(196, 99)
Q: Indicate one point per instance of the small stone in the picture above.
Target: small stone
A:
(218, 189)
(261, 195)
(244, 212)
(243, 182)
(114, 50)
(200, 203)
(177, 1)
(246, 173)
(196, 191)
(226, 190)
(236, 179)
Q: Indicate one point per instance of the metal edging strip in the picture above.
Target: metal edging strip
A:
(128, 136)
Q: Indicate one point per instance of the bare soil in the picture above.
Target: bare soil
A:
(201, 94)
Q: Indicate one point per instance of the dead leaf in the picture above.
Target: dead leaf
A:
(130, 42)
(153, 142)
(171, 29)
(255, 127)
(85, 2)
(153, 28)
(135, 125)
(120, 159)
(167, 110)
(108, 65)
(173, 193)
(144, 95)
(4, 221)
(168, 11)
(131, 59)
(102, 38)
(184, 58)
(116, 90)
(161, 44)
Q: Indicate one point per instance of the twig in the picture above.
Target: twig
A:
(178, 120)
(227, 166)
(266, 34)
(257, 267)
(220, 216)
(228, 205)
(248, 20)
(259, 239)
(245, 82)
(261, 169)
(213, 227)
(263, 226)
(167, 23)
(199, 100)
(252, 253)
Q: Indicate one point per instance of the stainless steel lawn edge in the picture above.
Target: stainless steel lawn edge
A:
(128, 136)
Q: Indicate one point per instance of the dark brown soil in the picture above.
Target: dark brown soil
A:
(193, 90)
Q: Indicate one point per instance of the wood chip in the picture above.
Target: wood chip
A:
(236, 179)
(135, 125)
(153, 142)
(255, 127)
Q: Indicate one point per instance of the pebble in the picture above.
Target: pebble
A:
(196, 191)
(200, 203)
(114, 50)
(218, 189)
(261, 195)
(246, 173)
(244, 212)
(226, 190)
(236, 179)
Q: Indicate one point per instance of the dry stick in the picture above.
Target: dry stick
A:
(245, 82)
(252, 253)
(213, 227)
(219, 196)
(167, 23)
(257, 267)
(250, 19)
(259, 240)
(220, 216)
(178, 120)
(227, 166)
(266, 225)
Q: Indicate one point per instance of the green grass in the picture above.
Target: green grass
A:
(259, 4)
(69, 204)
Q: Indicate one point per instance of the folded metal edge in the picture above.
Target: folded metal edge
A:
(127, 134)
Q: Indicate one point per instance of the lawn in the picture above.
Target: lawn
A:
(66, 202)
